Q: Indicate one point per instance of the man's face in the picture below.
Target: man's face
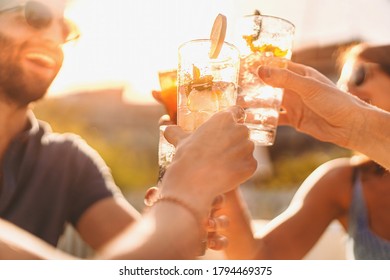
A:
(30, 57)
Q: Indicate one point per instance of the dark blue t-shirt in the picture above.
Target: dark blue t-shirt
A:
(50, 179)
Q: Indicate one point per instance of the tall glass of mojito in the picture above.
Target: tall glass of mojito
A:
(262, 40)
(206, 84)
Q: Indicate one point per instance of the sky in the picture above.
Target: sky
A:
(125, 43)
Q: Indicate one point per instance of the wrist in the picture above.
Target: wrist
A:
(182, 183)
(364, 124)
(199, 204)
(154, 197)
(372, 137)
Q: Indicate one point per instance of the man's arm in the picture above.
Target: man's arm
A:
(171, 228)
(18, 244)
(374, 140)
(105, 219)
(214, 159)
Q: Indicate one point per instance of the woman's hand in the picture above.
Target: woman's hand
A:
(314, 105)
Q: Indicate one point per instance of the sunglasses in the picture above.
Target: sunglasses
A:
(39, 16)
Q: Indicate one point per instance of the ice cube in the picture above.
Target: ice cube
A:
(227, 96)
(204, 100)
(248, 70)
(186, 119)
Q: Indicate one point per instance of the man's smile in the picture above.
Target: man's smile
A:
(42, 60)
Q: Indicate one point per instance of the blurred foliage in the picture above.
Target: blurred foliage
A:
(294, 156)
(290, 171)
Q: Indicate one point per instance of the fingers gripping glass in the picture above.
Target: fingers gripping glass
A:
(39, 16)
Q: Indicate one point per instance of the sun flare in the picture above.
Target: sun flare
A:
(127, 44)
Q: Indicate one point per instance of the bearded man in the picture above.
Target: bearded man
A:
(46, 179)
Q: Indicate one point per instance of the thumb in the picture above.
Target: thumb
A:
(174, 134)
(238, 113)
(317, 96)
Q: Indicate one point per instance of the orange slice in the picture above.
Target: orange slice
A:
(217, 36)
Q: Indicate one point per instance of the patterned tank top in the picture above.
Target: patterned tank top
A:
(365, 243)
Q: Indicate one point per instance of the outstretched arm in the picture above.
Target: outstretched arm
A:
(171, 228)
(214, 159)
(293, 233)
(239, 232)
(15, 243)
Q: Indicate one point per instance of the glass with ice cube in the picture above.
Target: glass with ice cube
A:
(205, 85)
(262, 40)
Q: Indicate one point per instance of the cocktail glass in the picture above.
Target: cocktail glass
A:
(201, 86)
(166, 151)
(262, 40)
(205, 85)
(167, 96)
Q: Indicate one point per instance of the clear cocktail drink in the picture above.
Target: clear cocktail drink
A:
(261, 39)
(205, 85)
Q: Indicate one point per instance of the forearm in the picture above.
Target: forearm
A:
(372, 137)
(15, 243)
(272, 242)
(167, 231)
(242, 244)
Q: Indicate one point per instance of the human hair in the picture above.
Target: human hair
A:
(378, 54)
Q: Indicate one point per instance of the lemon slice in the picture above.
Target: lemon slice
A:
(217, 36)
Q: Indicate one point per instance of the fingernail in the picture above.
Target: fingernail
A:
(264, 72)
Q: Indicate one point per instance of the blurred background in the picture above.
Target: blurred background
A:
(103, 91)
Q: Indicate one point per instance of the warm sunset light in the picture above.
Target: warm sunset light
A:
(125, 44)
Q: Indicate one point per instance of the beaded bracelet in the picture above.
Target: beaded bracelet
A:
(177, 201)
(152, 197)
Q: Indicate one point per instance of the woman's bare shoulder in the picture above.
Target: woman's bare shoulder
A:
(334, 170)
(330, 183)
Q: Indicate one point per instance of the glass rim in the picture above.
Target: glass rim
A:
(272, 17)
(232, 46)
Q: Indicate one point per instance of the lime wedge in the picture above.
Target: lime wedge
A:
(217, 35)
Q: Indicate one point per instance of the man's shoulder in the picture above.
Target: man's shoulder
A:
(56, 139)
(64, 143)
